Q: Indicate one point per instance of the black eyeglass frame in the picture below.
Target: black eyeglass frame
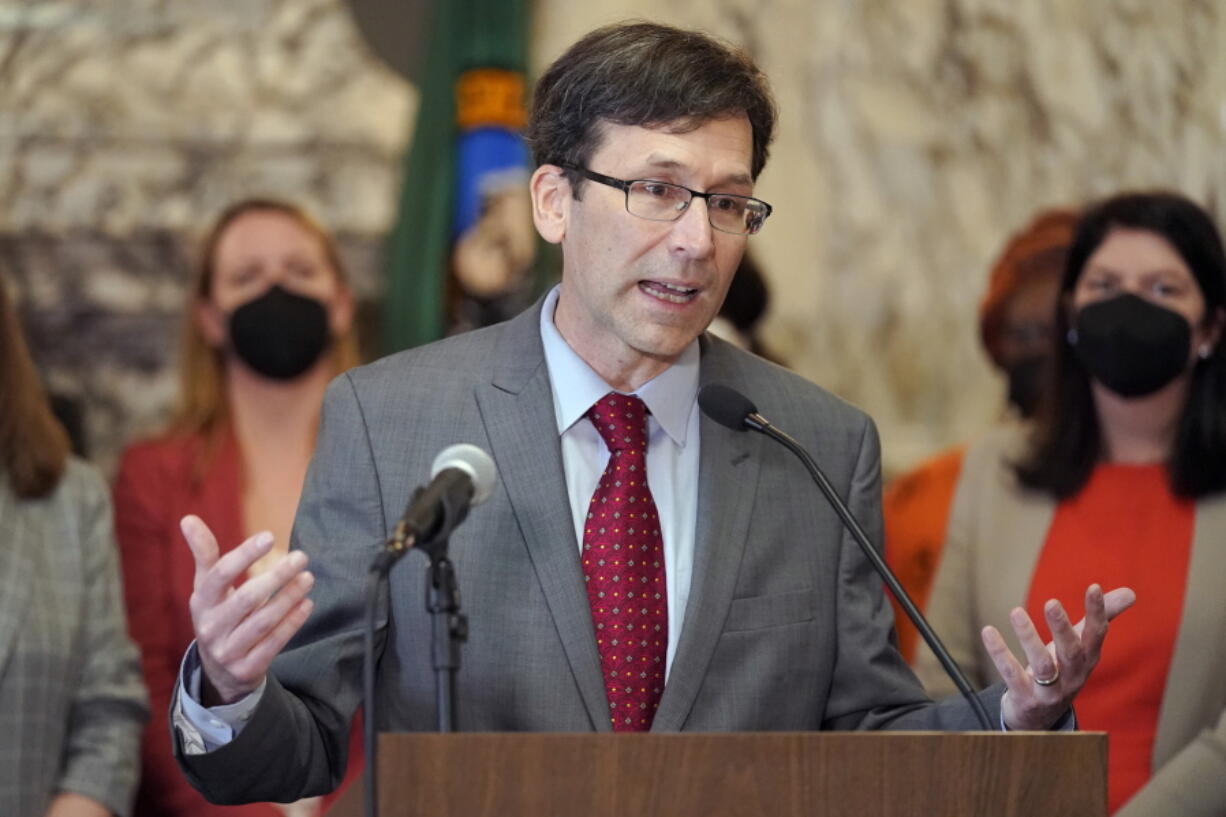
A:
(625, 184)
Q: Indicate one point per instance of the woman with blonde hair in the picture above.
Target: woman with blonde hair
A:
(71, 699)
(269, 323)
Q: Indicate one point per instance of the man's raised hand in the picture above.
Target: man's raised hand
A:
(1039, 694)
(239, 630)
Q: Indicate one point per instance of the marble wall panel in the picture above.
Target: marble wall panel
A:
(914, 137)
(126, 126)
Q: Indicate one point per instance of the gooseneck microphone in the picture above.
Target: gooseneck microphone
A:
(733, 410)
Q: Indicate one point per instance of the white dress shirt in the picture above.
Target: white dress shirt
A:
(672, 452)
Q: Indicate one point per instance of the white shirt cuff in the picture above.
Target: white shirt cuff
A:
(204, 729)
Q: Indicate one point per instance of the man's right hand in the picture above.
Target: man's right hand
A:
(240, 630)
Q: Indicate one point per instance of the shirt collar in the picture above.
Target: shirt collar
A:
(670, 395)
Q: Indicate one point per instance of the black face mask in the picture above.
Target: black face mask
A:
(1132, 346)
(280, 334)
(1026, 383)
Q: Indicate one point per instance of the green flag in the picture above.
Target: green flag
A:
(464, 37)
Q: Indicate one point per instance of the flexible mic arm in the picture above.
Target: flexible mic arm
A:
(751, 419)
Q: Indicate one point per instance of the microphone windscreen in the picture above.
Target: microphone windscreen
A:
(725, 405)
(473, 461)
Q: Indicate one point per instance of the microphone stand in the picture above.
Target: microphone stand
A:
(449, 631)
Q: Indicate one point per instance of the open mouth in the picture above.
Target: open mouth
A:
(672, 293)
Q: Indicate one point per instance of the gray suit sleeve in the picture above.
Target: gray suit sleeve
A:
(109, 705)
(873, 688)
(295, 744)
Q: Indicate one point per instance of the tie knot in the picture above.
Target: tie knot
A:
(621, 420)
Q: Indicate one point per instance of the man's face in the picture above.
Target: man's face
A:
(635, 292)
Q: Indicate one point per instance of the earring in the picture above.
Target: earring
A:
(1071, 337)
(1204, 351)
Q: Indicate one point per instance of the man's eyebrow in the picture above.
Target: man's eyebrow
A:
(655, 161)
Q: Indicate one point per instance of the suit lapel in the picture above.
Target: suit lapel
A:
(728, 474)
(517, 410)
(16, 572)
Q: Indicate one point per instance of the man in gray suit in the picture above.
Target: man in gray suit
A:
(766, 616)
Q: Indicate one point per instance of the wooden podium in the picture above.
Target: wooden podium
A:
(776, 774)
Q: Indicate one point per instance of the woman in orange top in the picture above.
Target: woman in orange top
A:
(269, 323)
(1124, 480)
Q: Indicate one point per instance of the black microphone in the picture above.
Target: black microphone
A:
(463, 476)
(733, 410)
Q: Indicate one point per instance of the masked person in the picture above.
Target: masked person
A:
(1016, 325)
(71, 699)
(1123, 478)
(269, 322)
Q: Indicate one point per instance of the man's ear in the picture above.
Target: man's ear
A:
(551, 198)
(211, 322)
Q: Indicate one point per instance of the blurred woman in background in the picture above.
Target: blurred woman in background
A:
(1123, 481)
(71, 699)
(269, 323)
(1016, 327)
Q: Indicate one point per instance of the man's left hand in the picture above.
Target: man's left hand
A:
(1037, 696)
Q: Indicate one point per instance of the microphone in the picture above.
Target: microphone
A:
(462, 476)
(733, 410)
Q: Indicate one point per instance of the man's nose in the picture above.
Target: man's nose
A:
(693, 233)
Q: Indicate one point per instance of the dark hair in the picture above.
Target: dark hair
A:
(648, 75)
(1067, 443)
(748, 296)
(33, 445)
(746, 302)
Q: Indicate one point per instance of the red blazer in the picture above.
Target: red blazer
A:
(159, 482)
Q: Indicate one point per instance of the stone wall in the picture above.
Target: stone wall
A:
(914, 138)
(126, 126)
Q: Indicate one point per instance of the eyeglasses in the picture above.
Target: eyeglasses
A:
(661, 201)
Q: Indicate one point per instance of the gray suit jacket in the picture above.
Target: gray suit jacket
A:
(787, 627)
(72, 703)
(995, 536)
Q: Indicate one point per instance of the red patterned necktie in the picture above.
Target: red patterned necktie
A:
(623, 566)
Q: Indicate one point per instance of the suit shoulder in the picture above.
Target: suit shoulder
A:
(462, 356)
(80, 499)
(83, 480)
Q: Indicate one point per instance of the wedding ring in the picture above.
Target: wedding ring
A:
(1046, 682)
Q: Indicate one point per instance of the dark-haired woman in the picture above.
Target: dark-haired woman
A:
(1122, 479)
(71, 699)
(269, 323)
